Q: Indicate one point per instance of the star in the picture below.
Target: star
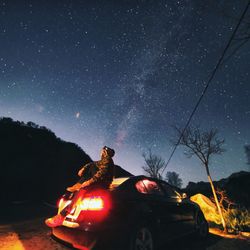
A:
(126, 78)
(77, 115)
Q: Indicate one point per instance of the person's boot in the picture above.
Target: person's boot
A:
(74, 188)
(55, 221)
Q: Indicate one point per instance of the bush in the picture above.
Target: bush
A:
(237, 220)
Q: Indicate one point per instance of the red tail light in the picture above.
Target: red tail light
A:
(93, 203)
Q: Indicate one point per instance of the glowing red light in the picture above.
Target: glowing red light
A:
(92, 203)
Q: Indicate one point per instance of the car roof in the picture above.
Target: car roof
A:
(118, 181)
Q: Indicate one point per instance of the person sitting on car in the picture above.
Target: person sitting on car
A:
(98, 174)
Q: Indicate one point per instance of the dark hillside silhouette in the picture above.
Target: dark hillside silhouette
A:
(236, 186)
(36, 165)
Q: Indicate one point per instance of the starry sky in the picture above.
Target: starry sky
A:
(122, 73)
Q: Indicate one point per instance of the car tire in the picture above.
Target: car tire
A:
(201, 226)
(142, 239)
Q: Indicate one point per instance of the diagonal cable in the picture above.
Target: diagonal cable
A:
(208, 83)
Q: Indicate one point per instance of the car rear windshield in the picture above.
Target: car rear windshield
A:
(148, 187)
(117, 182)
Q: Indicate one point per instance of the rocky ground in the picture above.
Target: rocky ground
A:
(22, 228)
(33, 234)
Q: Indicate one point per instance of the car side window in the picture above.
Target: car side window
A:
(170, 192)
(148, 187)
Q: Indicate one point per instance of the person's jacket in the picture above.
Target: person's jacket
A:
(99, 172)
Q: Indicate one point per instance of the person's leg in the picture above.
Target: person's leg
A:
(68, 208)
(88, 173)
(58, 219)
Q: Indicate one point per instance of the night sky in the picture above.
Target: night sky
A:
(122, 73)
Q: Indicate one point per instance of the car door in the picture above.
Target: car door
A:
(164, 209)
(174, 208)
(186, 210)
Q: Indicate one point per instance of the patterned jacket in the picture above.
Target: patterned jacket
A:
(98, 172)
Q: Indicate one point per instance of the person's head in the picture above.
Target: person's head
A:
(107, 152)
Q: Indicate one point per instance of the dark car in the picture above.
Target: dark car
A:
(135, 213)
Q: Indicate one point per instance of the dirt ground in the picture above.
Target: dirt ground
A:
(34, 235)
(28, 235)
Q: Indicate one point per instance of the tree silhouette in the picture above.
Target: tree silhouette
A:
(32, 125)
(173, 179)
(154, 164)
(37, 163)
(203, 145)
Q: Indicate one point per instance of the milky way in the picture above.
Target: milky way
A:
(122, 73)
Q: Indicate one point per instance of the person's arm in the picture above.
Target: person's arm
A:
(100, 175)
(83, 169)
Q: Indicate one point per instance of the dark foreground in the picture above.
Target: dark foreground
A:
(29, 232)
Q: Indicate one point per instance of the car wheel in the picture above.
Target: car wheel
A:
(202, 226)
(142, 239)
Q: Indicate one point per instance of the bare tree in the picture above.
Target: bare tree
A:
(203, 145)
(224, 200)
(154, 164)
(173, 179)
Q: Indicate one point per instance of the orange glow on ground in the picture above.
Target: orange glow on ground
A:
(242, 235)
(11, 241)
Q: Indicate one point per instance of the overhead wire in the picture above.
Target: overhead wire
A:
(208, 83)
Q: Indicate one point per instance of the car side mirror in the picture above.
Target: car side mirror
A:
(183, 195)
